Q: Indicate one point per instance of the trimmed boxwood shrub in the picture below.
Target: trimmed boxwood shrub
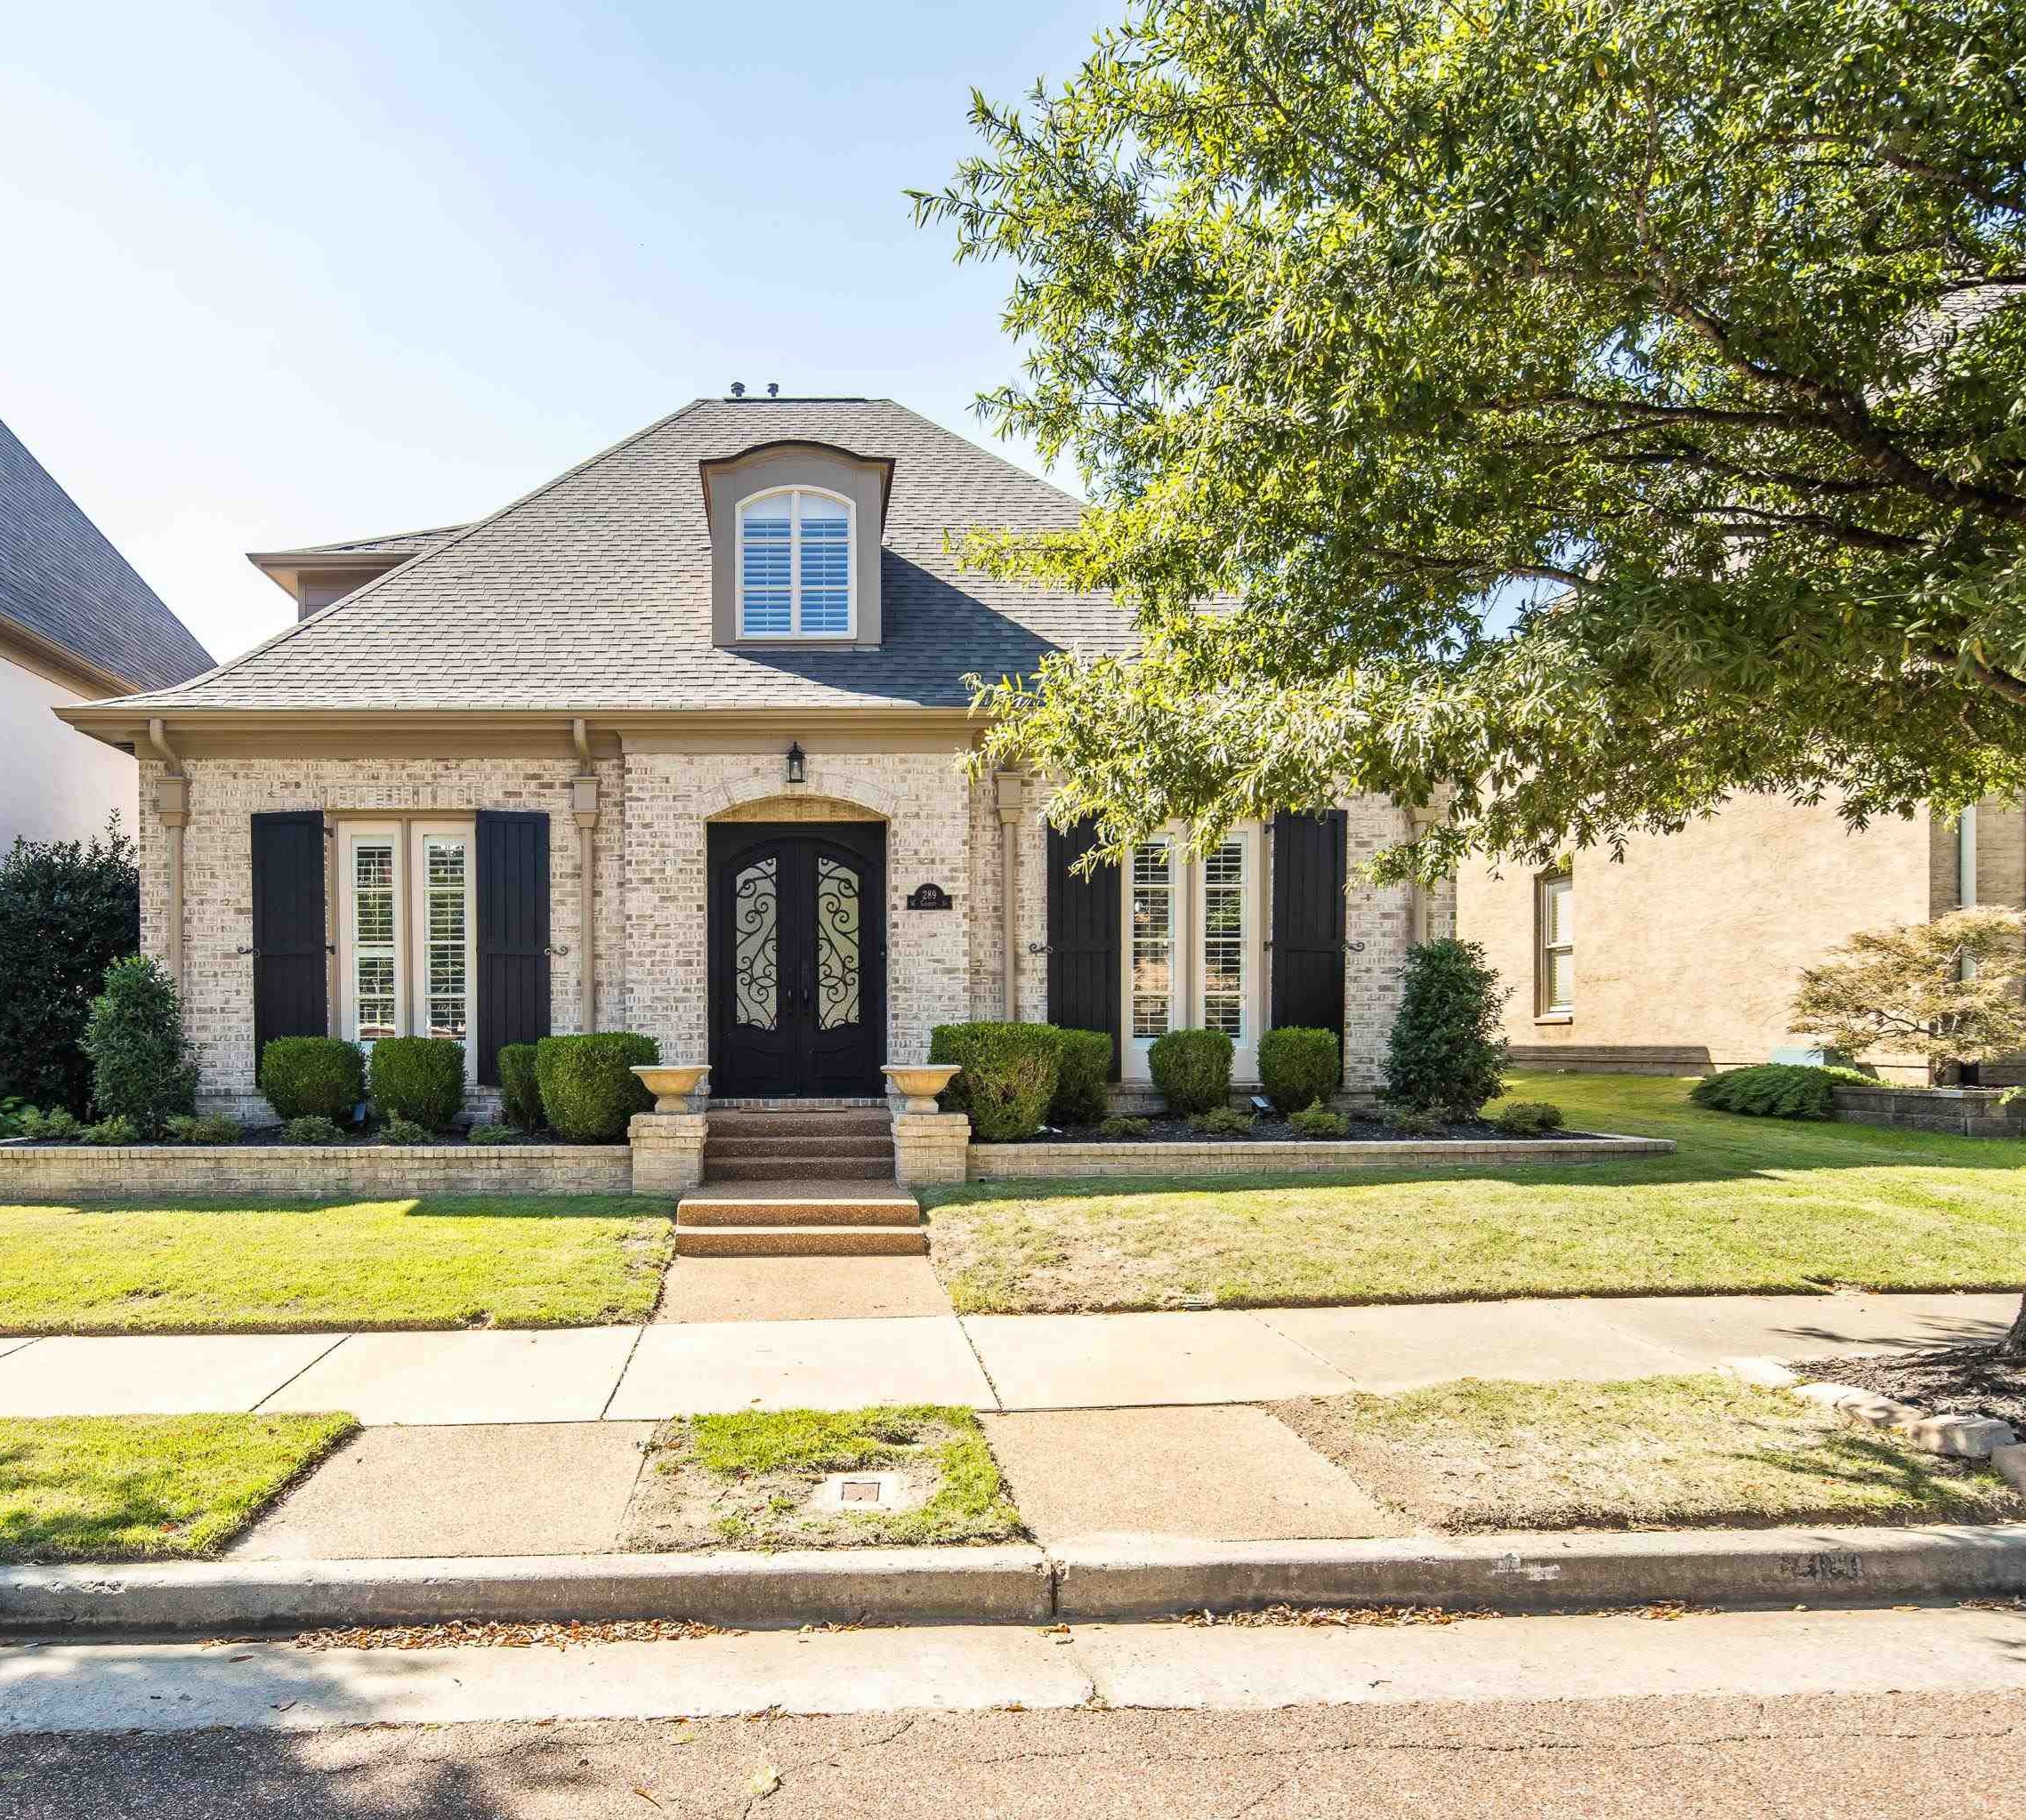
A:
(1446, 1054)
(520, 1091)
(313, 1077)
(588, 1093)
(1299, 1066)
(141, 1066)
(1083, 1076)
(417, 1078)
(311, 1128)
(1009, 1076)
(1529, 1118)
(1193, 1069)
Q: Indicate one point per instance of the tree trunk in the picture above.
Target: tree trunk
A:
(2013, 1344)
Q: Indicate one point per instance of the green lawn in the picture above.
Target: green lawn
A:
(138, 1487)
(1658, 1454)
(1744, 1204)
(747, 1479)
(264, 1265)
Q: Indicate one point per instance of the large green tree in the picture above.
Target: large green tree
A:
(1578, 411)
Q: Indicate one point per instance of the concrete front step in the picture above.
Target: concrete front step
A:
(796, 1204)
(791, 1148)
(869, 1169)
(801, 1241)
(734, 1123)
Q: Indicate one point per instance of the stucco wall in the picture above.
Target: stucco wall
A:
(1695, 941)
(56, 783)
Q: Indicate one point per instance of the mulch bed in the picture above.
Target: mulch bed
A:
(1950, 1381)
(1267, 1129)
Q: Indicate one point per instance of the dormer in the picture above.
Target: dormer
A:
(795, 530)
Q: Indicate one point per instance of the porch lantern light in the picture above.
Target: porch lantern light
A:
(797, 764)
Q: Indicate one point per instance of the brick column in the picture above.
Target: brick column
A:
(931, 1147)
(668, 1151)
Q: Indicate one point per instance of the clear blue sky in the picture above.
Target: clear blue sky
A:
(279, 275)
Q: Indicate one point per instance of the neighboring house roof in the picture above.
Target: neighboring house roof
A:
(593, 591)
(70, 590)
(396, 543)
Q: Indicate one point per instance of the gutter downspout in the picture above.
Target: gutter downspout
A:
(171, 806)
(1011, 796)
(583, 805)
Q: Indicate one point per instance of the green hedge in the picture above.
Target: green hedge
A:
(588, 1091)
(1192, 1069)
(313, 1077)
(1299, 1066)
(418, 1078)
(141, 1070)
(1008, 1081)
(1083, 1076)
(519, 1088)
(1777, 1090)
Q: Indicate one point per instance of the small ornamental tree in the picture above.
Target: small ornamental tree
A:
(1446, 1054)
(1949, 991)
(68, 909)
(141, 1070)
(1953, 990)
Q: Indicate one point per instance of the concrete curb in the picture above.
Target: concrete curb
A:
(1549, 1572)
(1029, 1586)
(931, 1585)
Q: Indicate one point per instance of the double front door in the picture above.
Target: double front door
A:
(797, 958)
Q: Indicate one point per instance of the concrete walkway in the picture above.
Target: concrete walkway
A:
(992, 1363)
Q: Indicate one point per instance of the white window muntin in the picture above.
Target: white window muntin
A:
(1214, 934)
(1557, 987)
(795, 564)
(408, 943)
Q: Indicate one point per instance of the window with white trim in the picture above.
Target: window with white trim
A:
(1194, 958)
(1556, 985)
(1152, 959)
(406, 930)
(1225, 930)
(795, 565)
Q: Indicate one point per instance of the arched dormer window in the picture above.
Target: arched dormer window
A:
(795, 565)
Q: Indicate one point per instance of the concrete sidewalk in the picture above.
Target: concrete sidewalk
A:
(990, 1363)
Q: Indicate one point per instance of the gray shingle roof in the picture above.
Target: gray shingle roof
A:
(593, 591)
(62, 580)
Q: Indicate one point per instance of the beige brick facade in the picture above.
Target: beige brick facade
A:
(1688, 951)
(651, 886)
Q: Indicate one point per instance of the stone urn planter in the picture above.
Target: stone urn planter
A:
(918, 1084)
(675, 1090)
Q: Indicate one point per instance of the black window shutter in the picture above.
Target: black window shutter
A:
(290, 994)
(513, 932)
(1083, 938)
(1309, 876)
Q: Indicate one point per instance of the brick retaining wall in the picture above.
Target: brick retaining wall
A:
(1967, 1112)
(1010, 1161)
(53, 1172)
